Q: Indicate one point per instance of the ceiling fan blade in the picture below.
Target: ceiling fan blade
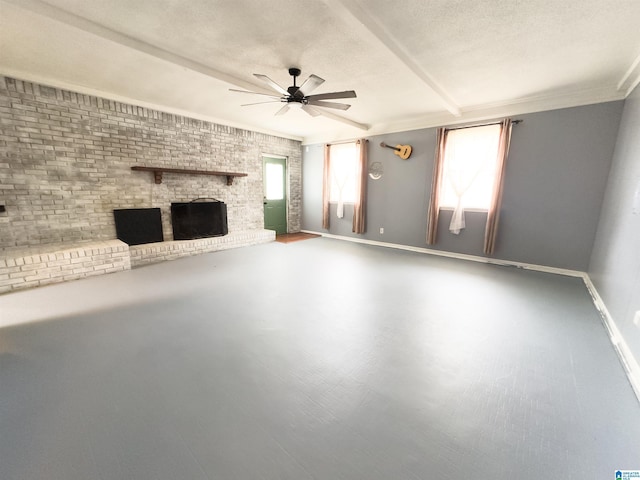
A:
(339, 106)
(283, 110)
(309, 85)
(271, 83)
(253, 93)
(259, 103)
(333, 95)
(314, 112)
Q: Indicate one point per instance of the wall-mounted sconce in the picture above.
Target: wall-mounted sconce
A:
(376, 170)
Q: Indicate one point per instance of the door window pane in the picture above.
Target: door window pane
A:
(274, 181)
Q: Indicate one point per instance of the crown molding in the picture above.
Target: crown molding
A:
(631, 78)
(491, 111)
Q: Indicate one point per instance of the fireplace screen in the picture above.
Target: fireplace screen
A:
(135, 226)
(198, 219)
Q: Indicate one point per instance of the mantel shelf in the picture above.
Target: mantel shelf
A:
(158, 171)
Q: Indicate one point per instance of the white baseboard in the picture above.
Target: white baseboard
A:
(460, 256)
(628, 361)
(625, 355)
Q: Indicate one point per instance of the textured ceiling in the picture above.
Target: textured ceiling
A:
(413, 63)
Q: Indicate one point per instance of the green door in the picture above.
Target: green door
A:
(275, 194)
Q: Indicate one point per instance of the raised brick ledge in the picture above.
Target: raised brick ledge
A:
(27, 267)
(171, 250)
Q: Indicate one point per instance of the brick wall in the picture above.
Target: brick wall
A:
(28, 267)
(66, 158)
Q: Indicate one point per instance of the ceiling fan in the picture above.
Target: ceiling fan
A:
(299, 95)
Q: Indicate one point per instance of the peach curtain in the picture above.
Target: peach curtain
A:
(434, 203)
(493, 215)
(326, 185)
(360, 205)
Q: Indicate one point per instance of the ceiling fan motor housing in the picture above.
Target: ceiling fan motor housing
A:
(293, 90)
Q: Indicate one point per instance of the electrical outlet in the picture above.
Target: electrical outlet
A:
(636, 319)
(381, 230)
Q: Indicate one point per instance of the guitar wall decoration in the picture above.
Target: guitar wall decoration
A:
(403, 151)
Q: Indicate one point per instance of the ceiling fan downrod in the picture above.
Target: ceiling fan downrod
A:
(294, 72)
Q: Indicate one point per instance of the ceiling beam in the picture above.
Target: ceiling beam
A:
(359, 19)
(339, 118)
(54, 13)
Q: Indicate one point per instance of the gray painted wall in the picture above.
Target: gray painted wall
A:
(554, 186)
(615, 262)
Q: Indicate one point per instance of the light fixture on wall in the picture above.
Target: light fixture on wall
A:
(376, 170)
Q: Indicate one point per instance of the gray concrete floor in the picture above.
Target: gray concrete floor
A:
(317, 360)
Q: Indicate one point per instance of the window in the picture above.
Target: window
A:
(343, 168)
(468, 172)
(344, 179)
(470, 167)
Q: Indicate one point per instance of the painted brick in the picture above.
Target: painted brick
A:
(73, 158)
(37, 277)
(158, 252)
(17, 275)
(64, 262)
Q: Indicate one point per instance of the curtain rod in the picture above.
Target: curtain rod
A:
(514, 122)
(347, 141)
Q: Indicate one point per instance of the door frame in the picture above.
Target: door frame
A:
(286, 184)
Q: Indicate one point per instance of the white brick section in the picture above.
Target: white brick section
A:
(28, 267)
(66, 158)
(45, 264)
(161, 251)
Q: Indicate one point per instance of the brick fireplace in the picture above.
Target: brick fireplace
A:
(65, 165)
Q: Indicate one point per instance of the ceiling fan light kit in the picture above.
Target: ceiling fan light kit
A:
(300, 95)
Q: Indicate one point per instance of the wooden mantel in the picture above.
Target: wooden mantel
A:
(158, 171)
